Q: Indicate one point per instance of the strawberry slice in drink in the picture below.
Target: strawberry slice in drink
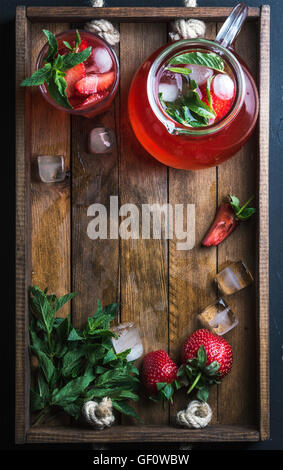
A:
(94, 83)
(95, 98)
(74, 75)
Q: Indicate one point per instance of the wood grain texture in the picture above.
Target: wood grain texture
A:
(263, 232)
(137, 14)
(50, 135)
(237, 176)
(191, 271)
(144, 264)
(23, 231)
(216, 433)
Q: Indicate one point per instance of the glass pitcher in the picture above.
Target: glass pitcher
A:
(179, 145)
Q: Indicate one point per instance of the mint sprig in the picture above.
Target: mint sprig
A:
(209, 60)
(53, 72)
(76, 365)
(242, 212)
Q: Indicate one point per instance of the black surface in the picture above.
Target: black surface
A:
(276, 217)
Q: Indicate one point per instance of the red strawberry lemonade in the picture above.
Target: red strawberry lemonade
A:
(92, 84)
(191, 107)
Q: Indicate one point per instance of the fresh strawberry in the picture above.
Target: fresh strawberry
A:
(220, 107)
(95, 82)
(206, 358)
(228, 217)
(95, 98)
(73, 75)
(158, 373)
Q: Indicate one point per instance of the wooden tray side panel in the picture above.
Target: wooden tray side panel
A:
(263, 237)
(23, 224)
(134, 14)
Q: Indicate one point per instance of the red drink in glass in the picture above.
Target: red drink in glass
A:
(91, 85)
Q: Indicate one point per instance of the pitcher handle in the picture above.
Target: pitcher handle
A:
(232, 26)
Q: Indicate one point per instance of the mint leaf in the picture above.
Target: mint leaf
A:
(70, 60)
(210, 60)
(38, 77)
(66, 44)
(53, 47)
(36, 401)
(71, 391)
(126, 409)
(195, 104)
(57, 95)
(61, 301)
(46, 365)
(78, 39)
(182, 70)
(74, 335)
(208, 94)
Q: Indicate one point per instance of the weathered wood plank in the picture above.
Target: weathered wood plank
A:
(23, 231)
(263, 223)
(50, 135)
(144, 295)
(237, 176)
(95, 273)
(214, 433)
(191, 271)
(121, 14)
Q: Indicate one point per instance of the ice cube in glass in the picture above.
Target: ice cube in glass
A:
(128, 338)
(51, 168)
(233, 278)
(218, 318)
(101, 140)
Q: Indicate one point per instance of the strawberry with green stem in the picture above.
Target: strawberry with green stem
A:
(159, 375)
(206, 358)
(229, 215)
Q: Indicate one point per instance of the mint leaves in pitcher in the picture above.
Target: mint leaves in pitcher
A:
(196, 89)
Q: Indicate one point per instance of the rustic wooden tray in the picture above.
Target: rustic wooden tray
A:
(159, 288)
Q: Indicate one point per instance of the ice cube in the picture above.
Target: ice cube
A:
(199, 73)
(233, 278)
(101, 140)
(128, 338)
(51, 168)
(218, 318)
(102, 59)
(169, 91)
(223, 86)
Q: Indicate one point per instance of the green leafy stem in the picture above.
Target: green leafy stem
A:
(76, 365)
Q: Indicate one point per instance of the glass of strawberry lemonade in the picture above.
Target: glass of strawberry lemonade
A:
(91, 84)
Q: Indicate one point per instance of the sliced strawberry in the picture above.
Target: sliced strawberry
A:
(74, 75)
(95, 98)
(221, 107)
(95, 82)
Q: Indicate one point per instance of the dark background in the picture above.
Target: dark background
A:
(7, 332)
